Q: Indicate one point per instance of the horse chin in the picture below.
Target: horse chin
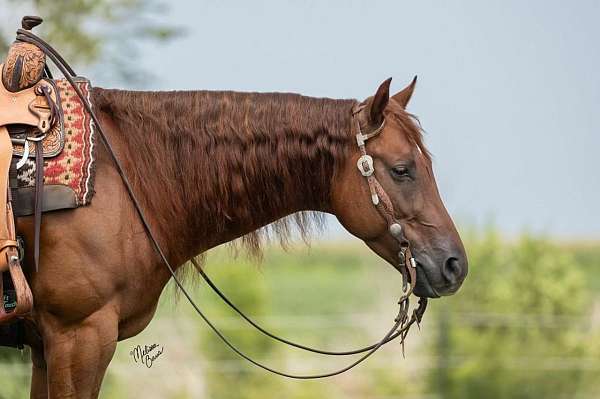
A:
(423, 287)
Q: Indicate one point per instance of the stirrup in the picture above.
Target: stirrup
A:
(10, 262)
(22, 292)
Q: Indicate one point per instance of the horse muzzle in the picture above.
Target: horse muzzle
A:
(434, 281)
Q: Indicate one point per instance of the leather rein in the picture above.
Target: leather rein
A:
(379, 198)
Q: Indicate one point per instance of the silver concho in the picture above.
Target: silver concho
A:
(396, 230)
(365, 165)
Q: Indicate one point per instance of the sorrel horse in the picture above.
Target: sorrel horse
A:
(210, 167)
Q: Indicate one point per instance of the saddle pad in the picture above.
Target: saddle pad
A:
(74, 167)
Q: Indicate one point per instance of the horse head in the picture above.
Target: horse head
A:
(403, 169)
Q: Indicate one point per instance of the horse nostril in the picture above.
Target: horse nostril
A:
(451, 270)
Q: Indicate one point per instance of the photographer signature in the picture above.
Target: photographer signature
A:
(146, 354)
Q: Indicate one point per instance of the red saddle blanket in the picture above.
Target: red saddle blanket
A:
(74, 166)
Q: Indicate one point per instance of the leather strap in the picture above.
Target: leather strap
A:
(417, 316)
(7, 243)
(39, 202)
(5, 161)
(9, 257)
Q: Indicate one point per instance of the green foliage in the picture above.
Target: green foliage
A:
(18, 368)
(300, 281)
(519, 327)
(587, 254)
(87, 31)
(228, 377)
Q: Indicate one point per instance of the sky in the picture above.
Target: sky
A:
(508, 91)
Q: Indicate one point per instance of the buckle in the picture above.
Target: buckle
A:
(365, 165)
(360, 139)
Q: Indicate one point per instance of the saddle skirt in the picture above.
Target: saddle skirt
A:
(69, 157)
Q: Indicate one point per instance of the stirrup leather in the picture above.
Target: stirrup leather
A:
(9, 254)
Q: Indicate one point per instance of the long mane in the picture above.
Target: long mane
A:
(247, 149)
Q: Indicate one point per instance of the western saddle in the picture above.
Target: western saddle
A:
(29, 108)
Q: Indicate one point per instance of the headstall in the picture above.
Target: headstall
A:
(406, 262)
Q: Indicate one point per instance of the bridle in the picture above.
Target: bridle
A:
(380, 199)
(382, 202)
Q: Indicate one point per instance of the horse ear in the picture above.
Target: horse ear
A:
(403, 96)
(380, 101)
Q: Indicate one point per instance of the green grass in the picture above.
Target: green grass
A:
(335, 296)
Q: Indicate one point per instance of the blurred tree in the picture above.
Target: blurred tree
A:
(519, 328)
(87, 31)
(287, 278)
(238, 382)
(15, 374)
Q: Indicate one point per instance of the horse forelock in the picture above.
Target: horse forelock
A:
(410, 125)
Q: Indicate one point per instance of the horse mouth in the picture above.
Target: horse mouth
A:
(423, 287)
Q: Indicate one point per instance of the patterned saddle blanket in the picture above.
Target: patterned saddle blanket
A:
(69, 157)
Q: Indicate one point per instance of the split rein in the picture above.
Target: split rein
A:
(381, 201)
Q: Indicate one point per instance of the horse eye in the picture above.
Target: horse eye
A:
(400, 172)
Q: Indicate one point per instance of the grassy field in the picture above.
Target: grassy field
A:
(508, 333)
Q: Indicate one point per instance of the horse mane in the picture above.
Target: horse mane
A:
(245, 146)
(223, 131)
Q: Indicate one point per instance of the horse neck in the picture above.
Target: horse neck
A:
(229, 163)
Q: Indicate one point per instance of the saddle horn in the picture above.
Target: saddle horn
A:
(30, 21)
(25, 62)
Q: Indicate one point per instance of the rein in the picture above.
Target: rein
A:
(380, 199)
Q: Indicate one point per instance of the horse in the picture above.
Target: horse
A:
(210, 167)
